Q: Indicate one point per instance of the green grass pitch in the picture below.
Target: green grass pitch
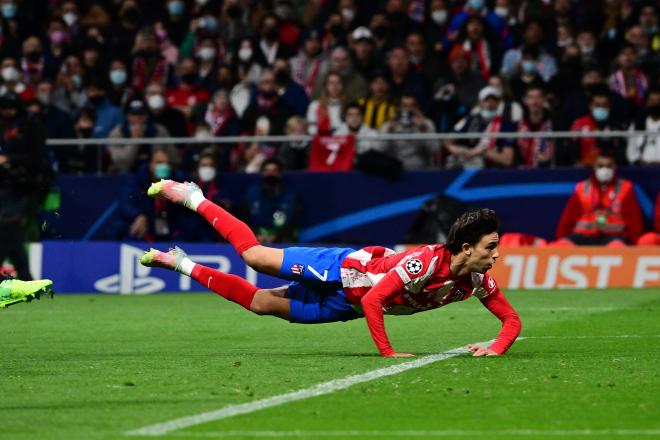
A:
(95, 367)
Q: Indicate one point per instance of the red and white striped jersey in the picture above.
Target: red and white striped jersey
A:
(425, 272)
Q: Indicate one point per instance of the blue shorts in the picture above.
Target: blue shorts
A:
(316, 292)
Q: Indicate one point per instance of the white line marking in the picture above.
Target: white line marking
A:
(592, 337)
(444, 433)
(306, 393)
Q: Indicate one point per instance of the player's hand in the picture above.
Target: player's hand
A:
(478, 350)
(400, 355)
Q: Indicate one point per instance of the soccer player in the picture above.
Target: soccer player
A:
(13, 291)
(340, 284)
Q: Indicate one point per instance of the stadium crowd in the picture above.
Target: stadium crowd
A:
(144, 68)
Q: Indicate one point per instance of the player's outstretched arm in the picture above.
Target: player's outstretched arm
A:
(372, 305)
(499, 306)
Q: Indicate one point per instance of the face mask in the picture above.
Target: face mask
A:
(9, 10)
(654, 111)
(476, 4)
(44, 98)
(564, 43)
(348, 14)
(162, 170)
(529, 66)
(57, 37)
(604, 174)
(502, 11)
(487, 114)
(10, 74)
(206, 53)
(70, 18)
(76, 80)
(206, 173)
(586, 50)
(439, 16)
(245, 53)
(156, 102)
(208, 23)
(175, 8)
(600, 114)
(118, 77)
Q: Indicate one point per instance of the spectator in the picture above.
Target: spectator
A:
(340, 63)
(120, 93)
(403, 79)
(59, 124)
(249, 71)
(477, 8)
(423, 61)
(335, 28)
(32, 60)
(585, 149)
(176, 22)
(410, 120)
(207, 54)
(129, 157)
(353, 118)
(124, 33)
(81, 159)
(57, 48)
(628, 80)
(12, 83)
(645, 150)
(69, 94)
(144, 218)
(649, 22)
(535, 152)
(435, 30)
(289, 27)
(363, 50)
(170, 118)
(269, 47)
(527, 75)
(485, 151)
(268, 104)
(309, 64)
(544, 63)
(652, 238)
(148, 64)
(509, 108)
(233, 27)
(294, 155)
(291, 93)
(481, 52)
(272, 209)
(188, 92)
(324, 114)
(108, 116)
(603, 209)
(377, 107)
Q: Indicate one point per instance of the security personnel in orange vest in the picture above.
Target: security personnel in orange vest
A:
(602, 210)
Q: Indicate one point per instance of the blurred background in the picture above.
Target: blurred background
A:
(329, 122)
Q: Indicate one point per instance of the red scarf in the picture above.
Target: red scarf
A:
(479, 55)
(216, 119)
(533, 147)
(141, 77)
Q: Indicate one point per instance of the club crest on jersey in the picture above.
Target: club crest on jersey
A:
(297, 269)
(415, 266)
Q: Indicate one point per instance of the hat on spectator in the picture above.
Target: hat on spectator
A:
(489, 92)
(361, 33)
(136, 107)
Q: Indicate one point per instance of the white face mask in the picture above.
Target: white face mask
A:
(206, 53)
(502, 11)
(70, 18)
(10, 74)
(348, 14)
(439, 16)
(156, 102)
(604, 174)
(565, 43)
(245, 53)
(206, 173)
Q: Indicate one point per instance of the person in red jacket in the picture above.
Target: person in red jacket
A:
(341, 284)
(603, 209)
(652, 238)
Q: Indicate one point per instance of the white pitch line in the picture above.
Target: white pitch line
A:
(592, 337)
(423, 434)
(306, 393)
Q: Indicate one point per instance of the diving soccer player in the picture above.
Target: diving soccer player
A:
(340, 284)
(14, 291)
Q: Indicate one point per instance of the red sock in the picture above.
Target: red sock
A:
(232, 229)
(233, 288)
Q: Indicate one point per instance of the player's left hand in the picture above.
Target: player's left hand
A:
(478, 350)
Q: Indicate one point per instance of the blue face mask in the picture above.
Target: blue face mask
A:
(529, 66)
(9, 10)
(162, 170)
(118, 77)
(488, 114)
(600, 114)
(476, 4)
(175, 8)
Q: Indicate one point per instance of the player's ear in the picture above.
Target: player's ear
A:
(466, 248)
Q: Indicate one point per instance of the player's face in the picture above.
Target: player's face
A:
(484, 254)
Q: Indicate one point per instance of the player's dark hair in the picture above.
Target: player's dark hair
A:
(470, 227)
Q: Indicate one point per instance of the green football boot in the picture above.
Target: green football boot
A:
(167, 260)
(13, 291)
(180, 193)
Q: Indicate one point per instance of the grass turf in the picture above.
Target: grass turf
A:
(94, 367)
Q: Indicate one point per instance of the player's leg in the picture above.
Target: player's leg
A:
(261, 258)
(260, 301)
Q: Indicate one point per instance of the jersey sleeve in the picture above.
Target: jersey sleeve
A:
(495, 301)
(415, 269)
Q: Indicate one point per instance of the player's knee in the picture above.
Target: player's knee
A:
(261, 305)
(252, 257)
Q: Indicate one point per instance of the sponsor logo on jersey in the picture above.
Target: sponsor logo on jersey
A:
(491, 283)
(413, 267)
(297, 269)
